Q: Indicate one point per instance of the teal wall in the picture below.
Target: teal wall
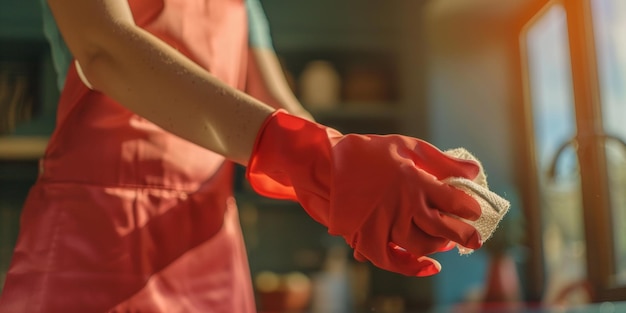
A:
(19, 19)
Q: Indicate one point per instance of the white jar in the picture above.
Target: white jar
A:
(320, 85)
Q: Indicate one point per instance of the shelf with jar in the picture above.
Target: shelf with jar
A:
(28, 95)
(351, 90)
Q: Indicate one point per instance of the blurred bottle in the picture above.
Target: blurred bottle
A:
(282, 293)
(331, 287)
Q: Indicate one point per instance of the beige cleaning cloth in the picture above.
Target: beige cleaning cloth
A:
(492, 205)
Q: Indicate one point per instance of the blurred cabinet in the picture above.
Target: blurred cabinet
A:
(26, 73)
(16, 177)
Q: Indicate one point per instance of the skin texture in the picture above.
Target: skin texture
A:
(132, 66)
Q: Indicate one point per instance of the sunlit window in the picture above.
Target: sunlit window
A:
(554, 126)
(610, 38)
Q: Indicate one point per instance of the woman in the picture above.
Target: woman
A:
(133, 210)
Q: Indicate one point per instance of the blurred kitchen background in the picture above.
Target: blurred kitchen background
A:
(536, 89)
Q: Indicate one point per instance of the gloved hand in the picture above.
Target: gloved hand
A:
(382, 194)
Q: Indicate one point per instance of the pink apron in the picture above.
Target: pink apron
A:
(126, 217)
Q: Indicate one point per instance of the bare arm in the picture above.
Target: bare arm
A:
(267, 82)
(155, 81)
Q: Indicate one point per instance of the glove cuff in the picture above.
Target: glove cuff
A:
(291, 159)
(260, 181)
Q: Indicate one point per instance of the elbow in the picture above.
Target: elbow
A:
(82, 76)
(86, 63)
(91, 29)
(94, 53)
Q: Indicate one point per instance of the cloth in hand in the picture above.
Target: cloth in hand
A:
(493, 207)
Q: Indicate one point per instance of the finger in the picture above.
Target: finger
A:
(429, 270)
(404, 262)
(452, 200)
(359, 257)
(448, 247)
(451, 228)
(442, 165)
(415, 240)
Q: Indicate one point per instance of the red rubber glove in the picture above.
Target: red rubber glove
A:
(382, 194)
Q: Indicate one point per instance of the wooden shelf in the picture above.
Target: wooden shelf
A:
(359, 111)
(22, 147)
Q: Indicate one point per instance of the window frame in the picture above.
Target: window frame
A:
(591, 153)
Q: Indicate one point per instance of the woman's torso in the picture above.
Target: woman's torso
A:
(126, 217)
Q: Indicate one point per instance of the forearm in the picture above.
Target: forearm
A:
(160, 84)
(156, 82)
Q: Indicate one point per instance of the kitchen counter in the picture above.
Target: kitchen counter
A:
(605, 307)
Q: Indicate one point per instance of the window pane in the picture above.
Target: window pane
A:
(554, 125)
(550, 83)
(610, 34)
